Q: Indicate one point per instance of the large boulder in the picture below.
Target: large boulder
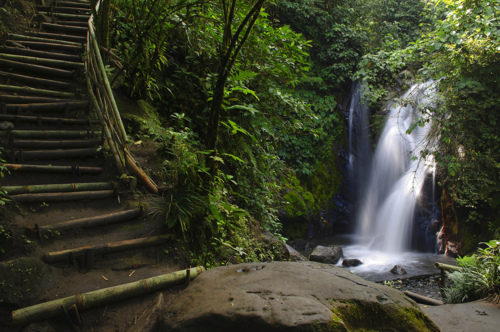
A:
(327, 255)
(291, 296)
(294, 255)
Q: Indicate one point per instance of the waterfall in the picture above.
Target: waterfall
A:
(386, 209)
(359, 141)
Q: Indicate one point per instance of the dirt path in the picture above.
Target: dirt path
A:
(50, 136)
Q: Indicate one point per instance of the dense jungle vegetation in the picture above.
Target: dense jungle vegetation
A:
(244, 101)
(248, 99)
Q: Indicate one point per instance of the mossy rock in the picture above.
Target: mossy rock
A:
(139, 117)
(23, 280)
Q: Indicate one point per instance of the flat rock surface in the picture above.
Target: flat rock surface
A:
(474, 316)
(292, 296)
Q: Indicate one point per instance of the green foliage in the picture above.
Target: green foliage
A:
(3, 195)
(479, 275)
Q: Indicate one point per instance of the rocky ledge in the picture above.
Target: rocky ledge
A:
(291, 296)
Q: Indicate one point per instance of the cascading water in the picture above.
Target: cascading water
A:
(385, 213)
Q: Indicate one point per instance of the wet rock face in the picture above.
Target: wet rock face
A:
(289, 296)
(351, 262)
(398, 270)
(326, 255)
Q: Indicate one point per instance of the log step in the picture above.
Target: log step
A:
(74, 23)
(107, 248)
(53, 133)
(41, 120)
(60, 9)
(74, 4)
(36, 80)
(64, 28)
(76, 39)
(32, 68)
(46, 107)
(59, 144)
(43, 92)
(51, 188)
(43, 40)
(60, 197)
(53, 169)
(40, 54)
(15, 99)
(47, 46)
(43, 61)
(101, 220)
(73, 17)
(24, 155)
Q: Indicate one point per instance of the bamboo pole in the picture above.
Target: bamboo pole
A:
(42, 61)
(446, 267)
(49, 46)
(36, 80)
(40, 54)
(93, 221)
(140, 173)
(107, 248)
(103, 296)
(74, 4)
(47, 107)
(116, 156)
(71, 16)
(50, 188)
(21, 89)
(65, 28)
(100, 65)
(74, 23)
(57, 144)
(61, 197)
(41, 119)
(43, 40)
(52, 133)
(15, 99)
(61, 9)
(60, 36)
(422, 299)
(53, 169)
(37, 68)
(57, 154)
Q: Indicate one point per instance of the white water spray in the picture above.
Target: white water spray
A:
(387, 208)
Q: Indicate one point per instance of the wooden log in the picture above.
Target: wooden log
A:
(13, 36)
(101, 220)
(53, 133)
(40, 54)
(51, 188)
(64, 28)
(41, 120)
(47, 107)
(36, 80)
(59, 36)
(42, 61)
(42, 92)
(54, 144)
(446, 267)
(140, 174)
(32, 68)
(108, 248)
(51, 309)
(61, 197)
(25, 155)
(53, 169)
(422, 299)
(47, 46)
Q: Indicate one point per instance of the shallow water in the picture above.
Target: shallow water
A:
(377, 265)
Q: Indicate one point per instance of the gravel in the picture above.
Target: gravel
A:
(422, 285)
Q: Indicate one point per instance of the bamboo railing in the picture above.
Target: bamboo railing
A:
(104, 103)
